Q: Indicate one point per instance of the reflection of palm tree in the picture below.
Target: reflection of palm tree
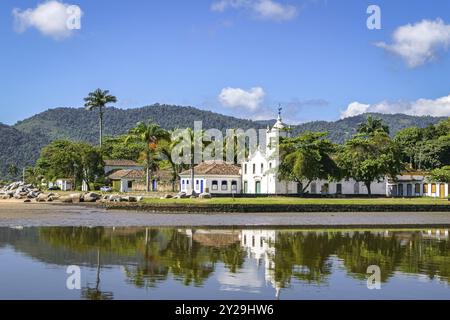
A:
(95, 293)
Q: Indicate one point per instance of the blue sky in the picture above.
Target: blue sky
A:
(236, 57)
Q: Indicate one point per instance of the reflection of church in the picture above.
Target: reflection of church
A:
(260, 248)
(260, 245)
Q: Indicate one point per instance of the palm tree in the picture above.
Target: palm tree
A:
(166, 148)
(98, 100)
(372, 125)
(150, 135)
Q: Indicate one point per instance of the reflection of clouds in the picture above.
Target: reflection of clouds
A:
(249, 279)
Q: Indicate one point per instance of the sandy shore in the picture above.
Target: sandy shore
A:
(15, 213)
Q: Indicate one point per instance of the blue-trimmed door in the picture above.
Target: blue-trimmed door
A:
(201, 186)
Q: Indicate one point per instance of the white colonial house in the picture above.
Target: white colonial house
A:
(215, 177)
(416, 184)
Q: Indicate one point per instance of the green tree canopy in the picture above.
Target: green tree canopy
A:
(369, 158)
(307, 157)
(372, 126)
(74, 160)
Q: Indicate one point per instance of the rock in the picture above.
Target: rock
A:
(114, 198)
(50, 199)
(128, 199)
(167, 196)
(27, 200)
(76, 197)
(66, 199)
(181, 195)
(42, 198)
(205, 195)
(91, 197)
(139, 198)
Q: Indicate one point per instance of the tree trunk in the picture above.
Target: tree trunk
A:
(101, 127)
(148, 179)
(192, 175)
(369, 190)
(306, 187)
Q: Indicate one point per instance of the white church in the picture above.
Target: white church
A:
(258, 175)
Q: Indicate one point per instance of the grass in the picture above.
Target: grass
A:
(300, 201)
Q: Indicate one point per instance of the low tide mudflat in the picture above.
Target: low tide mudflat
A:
(13, 213)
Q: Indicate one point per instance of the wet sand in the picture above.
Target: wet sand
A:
(14, 213)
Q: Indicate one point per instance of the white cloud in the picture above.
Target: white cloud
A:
(262, 9)
(52, 18)
(236, 97)
(423, 107)
(419, 43)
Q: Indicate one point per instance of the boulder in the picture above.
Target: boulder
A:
(42, 198)
(76, 197)
(128, 199)
(27, 200)
(205, 195)
(139, 198)
(91, 197)
(167, 196)
(115, 198)
(66, 199)
(181, 195)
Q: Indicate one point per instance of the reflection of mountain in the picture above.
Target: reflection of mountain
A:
(242, 259)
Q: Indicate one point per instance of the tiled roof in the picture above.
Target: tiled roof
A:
(121, 162)
(214, 168)
(127, 174)
(139, 174)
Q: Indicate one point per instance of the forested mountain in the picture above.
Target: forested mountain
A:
(18, 148)
(20, 144)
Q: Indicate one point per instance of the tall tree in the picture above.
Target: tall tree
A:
(408, 140)
(166, 148)
(368, 158)
(150, 136)
(98, 99)
(307, 157)
(372, 125)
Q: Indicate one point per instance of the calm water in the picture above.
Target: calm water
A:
(162, 263)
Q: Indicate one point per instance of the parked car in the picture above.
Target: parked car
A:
(106, 189)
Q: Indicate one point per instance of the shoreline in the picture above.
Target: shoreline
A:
(272, 208)
(14, 214)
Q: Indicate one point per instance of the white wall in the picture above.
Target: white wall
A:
(224, 184)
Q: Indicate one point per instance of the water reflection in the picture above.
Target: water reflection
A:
(235, 261)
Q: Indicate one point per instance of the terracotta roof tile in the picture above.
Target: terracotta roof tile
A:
(215, 168)
(127, 174)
